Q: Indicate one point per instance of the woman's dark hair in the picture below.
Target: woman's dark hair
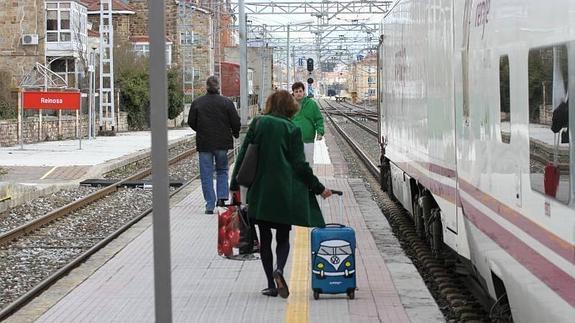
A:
(281, 103)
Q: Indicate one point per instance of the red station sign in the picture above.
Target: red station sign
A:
(51, 100)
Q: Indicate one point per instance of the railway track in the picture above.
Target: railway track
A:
(66, 249)
(451, 289)
(80, 203)
(351, 116)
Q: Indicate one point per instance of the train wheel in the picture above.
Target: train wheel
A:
(386, 180)
(418, 217)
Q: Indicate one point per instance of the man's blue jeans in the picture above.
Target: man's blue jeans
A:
(207, 159)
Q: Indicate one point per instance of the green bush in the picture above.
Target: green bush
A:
(132, 78)
(8, 106)
(135, 98)
(7, 111)
(175, 94)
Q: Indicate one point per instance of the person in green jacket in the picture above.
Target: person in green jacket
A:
(309, 119)
(283, 191)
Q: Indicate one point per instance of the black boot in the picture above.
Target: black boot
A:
(270, 292)
(282, 287)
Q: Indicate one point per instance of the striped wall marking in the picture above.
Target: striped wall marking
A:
(298, 302)
(554, 277)
(546, 237)
(545, 270)
(49, 172)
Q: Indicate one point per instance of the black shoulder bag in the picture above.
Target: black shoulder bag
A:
(247, 171)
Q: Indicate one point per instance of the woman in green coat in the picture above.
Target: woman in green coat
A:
(284, 189)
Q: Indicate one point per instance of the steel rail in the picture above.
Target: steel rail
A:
(346, 115)
(80, 203)
(371, 167)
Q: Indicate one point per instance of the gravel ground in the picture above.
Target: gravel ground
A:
(31, 210)
(364, 139)
(27, 261)
(17, 216)
(132, 168)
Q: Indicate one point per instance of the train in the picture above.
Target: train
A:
(474, 148)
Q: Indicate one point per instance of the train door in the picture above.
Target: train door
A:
(461, 88)
(380, 98)
(455, 235)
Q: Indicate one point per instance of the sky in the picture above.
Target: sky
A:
(298, 18)
(308, 18)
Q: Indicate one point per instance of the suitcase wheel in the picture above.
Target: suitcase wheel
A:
(315, 295)
(351, 293)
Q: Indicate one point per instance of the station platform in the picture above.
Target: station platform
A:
(116, 284)
(42, 168)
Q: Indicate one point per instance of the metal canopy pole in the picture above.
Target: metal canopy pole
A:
(263, 85)
(244, 111)
(160, 200)
(287, 59)
(293, 64)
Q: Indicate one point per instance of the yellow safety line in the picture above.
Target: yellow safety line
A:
(49, 172)
(297, 310)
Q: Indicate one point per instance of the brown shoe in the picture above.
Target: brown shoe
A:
(283, 289)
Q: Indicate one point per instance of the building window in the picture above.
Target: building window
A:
(187, 38)
(65, 67)
(549, 135)
(58, 22)
(504, 100)
(143, 49)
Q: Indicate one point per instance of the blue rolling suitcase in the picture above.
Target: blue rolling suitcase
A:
(333, 259)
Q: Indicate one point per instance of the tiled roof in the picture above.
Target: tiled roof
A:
(93, 33)
(117, 5)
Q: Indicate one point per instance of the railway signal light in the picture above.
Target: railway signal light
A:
(310, 64)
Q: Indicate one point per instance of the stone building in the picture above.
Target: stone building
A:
(16, 21)
(188, 32)
(189, 41)
(362, 82)
(121, 13)
(49, 32)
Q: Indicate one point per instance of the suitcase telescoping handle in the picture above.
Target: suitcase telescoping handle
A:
(334, 225)
(340, 202)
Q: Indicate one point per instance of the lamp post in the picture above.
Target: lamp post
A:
(91, 85)
(94, 50)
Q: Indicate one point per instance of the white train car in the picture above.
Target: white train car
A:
(467, 94)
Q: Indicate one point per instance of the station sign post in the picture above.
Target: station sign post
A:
(50, 100)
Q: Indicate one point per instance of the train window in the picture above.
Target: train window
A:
(548, 122)
(504, 99)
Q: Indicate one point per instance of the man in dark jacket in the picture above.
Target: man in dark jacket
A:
(215, 120)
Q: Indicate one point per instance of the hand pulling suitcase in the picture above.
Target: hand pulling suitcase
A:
(333, 259)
